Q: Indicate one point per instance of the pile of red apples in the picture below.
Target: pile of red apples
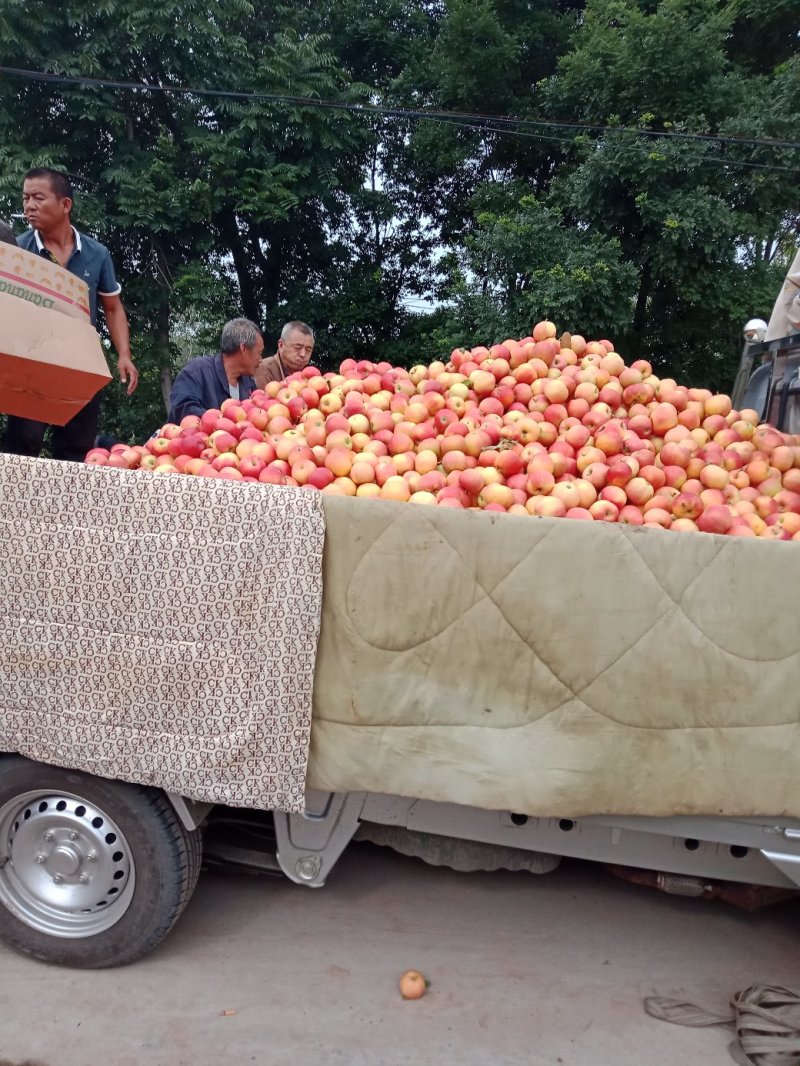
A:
(549, 427)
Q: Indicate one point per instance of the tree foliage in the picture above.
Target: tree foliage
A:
(397, 235)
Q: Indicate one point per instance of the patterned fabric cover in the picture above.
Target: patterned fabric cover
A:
(160, 629)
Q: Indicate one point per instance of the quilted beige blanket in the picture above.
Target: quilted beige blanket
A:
(556, 668)
(160, 629)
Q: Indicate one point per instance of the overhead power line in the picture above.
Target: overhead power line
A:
(725, 161)
(500, 121)
(484, 123)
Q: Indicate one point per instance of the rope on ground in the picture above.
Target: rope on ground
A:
(766, 1019)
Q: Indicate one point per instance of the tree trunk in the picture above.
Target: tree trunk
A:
(162, 317)
(640, 311)
(165, 379)
(165, 374)
(273, 271)
(242, 262)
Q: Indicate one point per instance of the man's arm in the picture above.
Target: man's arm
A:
(185, 397)
(117, 322)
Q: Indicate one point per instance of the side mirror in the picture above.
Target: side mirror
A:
(755, 330)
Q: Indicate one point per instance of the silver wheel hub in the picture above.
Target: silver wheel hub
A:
(65, 867)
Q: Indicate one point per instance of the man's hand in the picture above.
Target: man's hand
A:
(117, 322)
(128, 373)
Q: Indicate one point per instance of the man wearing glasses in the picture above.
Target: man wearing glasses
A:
(295, 349)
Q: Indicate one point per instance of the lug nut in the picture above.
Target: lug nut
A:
(40, 859)
(48, 836)
(84, 879)
(58, 879)
(73, 835)
(92, 856)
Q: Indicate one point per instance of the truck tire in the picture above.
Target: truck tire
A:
(93, 873)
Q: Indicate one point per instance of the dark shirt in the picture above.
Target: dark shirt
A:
(202, 385)
(90, 261)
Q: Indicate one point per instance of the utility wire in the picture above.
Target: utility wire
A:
(632, 147)
(391, 112)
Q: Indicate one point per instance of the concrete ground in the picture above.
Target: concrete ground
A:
(523, 970)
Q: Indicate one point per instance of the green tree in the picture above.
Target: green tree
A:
(215, 205)
(525, 264)
(200, 198)
(700, 220)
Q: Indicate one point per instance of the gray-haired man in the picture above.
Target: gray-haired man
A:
(208, 381)
(295, 349)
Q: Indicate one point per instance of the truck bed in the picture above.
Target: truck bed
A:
(542, 666)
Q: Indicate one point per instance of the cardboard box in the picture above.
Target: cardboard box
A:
(42, 283)
(50, 365)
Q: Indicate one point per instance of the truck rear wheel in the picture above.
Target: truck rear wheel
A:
(93, 873)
